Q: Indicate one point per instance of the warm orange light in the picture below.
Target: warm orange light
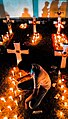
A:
(9, 107)
(65, 104)
(61, 113)
(0, 110)
(64, 91)
(63, 97)
(16, 102)
(20, 96)
(13, 82)
(5, 118)
(12, 72)
(11, 89)
(60, 81)
(62, 86)
(3, 99)
(10, 97)
(15, 116)
(10, 78)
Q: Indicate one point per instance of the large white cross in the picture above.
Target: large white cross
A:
(59, 23)
(8, 21)
(18, 52)
(63, 55)
(34, 22)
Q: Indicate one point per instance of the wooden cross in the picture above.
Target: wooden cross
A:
(18, 52)
(59, 23)
(8, 21)
(34, 22)
(64, 55)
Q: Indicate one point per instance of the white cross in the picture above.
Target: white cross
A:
(8, 21)
(18, 52)
(34, 22)
(59, 23)
(64, 56)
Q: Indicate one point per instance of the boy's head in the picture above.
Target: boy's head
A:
(36, 69)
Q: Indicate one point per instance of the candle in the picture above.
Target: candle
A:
(12, 72)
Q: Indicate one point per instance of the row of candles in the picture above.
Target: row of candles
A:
(61, 96)
(9, 102)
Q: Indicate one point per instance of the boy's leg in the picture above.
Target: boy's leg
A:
(35, 102)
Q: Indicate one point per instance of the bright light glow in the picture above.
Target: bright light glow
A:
(65, 104)
(59, 73)
(9, 107)
(3, 99)
(62, 86)
(5, 118)
(13, 82)
(14, 68)
(61, 113)
(20, 96)
(15, 116)
(16, 102)
(64, 91)
(10, 97)
(11, 89)
(60, 81)
(12, 72)
(10, 78)
(63, 97)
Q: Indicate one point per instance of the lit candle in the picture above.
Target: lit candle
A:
(64, 91)
(20, 97)
(15, 116)
(16, 102)
(11, 89)
(12, 72)
(62, 86)
(3, 99)
(5, 118)
(60, 81)
(65, 104)
(10, 78)
(61, 113)
(59, 73)
(62, 97)
(10, 97)
(14, 68)
(13, 82)
(9, 107)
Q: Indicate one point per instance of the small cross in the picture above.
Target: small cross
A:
(64, 55)
(34, 22)
(8, 21)
(59, 23)
(18, 52)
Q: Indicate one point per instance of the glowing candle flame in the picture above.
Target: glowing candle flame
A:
(3, 99)
(10, 97)
(5, 118)
(11, 89)
(9, 107)
(63, 97)
(15, 116)
(65, 104)
(12, 72)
